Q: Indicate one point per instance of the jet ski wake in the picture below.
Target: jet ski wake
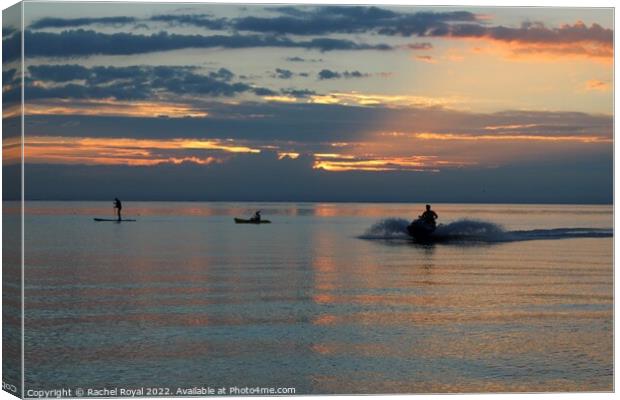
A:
(469, 230)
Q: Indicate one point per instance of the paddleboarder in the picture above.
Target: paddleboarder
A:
(118, 206)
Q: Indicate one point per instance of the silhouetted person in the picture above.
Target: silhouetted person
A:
(256, 216)
(118, 206)
(429, 216)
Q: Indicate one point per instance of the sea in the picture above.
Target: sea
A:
(329, 298)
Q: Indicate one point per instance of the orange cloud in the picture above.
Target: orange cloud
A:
(513, 126)
(347, 162)
(426, 59)
(369, 99)
(112, 108)
(11, 111)
(124, 151)
(418, 46)
(518, 51)
(534, 39)
(595, 84)
(281, 99)
(582, 50)
(543, 138)
(289, 154)
(11, 151)
(452, 55)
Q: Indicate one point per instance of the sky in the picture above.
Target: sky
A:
(311, 103)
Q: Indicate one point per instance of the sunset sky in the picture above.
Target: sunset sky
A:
(292, 102)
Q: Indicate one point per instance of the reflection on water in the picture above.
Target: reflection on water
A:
(185, 297)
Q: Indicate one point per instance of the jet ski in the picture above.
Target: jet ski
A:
(421, 229)
(251, 221)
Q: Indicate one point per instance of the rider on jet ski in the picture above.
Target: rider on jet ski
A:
(429, 216)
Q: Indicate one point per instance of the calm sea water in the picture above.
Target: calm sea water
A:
(329, 298)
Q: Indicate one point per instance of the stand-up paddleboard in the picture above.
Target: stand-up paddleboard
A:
(113, 220)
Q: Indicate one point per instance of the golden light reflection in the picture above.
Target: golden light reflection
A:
(451, 317)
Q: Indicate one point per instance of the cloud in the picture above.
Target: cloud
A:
(127, 151)
(130, 83)
(73, 22)
(419, 46)
(81, 42)
(529, 37)
(8, 31)
(511, 138)
(299, 93)
(199, 20)
(329, 74)
(334, 138)
(597, 85)
(345, 162)
(426, 59)
(300, 59)
(8, 75)
(536, 32)
(283, 73)
(59, 73)
(354, 74)
(263, 92)
(259, 177)
(533, 37)
(383, 100)
(456, 24)
(536, 38)
(11, 46)
(223, 74)
(320, 123)
(349, 19)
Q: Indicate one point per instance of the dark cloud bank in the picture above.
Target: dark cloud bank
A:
(80, 42)
(574, 181)
(329, 74)
(271, 31)
(355, 19)
(321, 122)
(76, 82)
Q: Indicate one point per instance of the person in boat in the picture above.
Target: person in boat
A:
(256, 217)
(118, 206)
(429, 216)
